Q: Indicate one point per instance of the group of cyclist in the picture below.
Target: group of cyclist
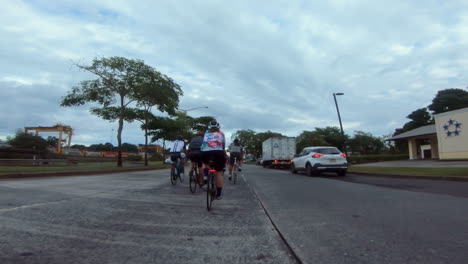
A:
(205, 147)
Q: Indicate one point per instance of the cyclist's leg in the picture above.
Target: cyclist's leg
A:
(174, 160)
(205, 158)
(219, 160)
(199, 163)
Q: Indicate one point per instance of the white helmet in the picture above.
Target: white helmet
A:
(213, 124)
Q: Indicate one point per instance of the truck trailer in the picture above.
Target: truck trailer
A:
(278, 152)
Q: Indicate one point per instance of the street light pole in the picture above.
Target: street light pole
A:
(339, 118)
(185, 111)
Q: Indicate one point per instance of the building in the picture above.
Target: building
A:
(446, 140)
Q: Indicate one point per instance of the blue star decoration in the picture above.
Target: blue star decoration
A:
(452, 128)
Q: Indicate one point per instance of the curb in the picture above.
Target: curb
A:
(71, 173)
(424, 177)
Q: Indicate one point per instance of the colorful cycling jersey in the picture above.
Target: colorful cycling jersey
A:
(213, 141)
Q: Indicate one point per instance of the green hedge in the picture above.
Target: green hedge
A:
(134, 158)
(358, 159)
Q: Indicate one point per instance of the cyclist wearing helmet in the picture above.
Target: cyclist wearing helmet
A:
(194, 151)
(235, 152)
(213, 148)
(177, 151)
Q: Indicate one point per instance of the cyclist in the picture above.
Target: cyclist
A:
(178, 152)
(213, 148)
(194, 151)
(236, 152)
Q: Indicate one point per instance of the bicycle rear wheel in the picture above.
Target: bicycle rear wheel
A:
(193, 180)
(210, 191)
(173, 176)
(234, 174)
(181, 169)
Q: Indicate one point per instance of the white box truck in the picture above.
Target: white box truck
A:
(278, 152)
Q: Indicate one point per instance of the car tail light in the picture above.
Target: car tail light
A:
(343, 155)
(276, 161)
(316, 155)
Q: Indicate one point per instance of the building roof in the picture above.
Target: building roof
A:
(420, 131)
(462, 110)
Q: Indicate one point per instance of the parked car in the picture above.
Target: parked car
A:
(314, 160)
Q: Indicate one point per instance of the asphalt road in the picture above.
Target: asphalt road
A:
(326, 220)
(134, 217)
(139, 217)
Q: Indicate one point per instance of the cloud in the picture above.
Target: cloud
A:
(256, 65)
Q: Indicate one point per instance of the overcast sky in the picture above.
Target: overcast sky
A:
(261, 65)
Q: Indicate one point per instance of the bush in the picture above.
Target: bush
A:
(358, 159)
(134, 158)
(156, 157)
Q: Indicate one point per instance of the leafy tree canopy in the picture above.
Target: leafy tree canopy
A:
(309, 138)
(332, 135)
(52, 141)
(28, 141)
(449, 100)
(365, 143)
(122, 81)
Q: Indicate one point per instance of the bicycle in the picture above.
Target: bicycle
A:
(176, 172)
(211, 187)
(235, 171)
(194, 179)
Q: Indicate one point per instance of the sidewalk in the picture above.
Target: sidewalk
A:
(428, 164)
(417, 164)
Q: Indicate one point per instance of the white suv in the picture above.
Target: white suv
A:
(314, 160)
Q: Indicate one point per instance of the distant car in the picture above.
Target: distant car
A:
(314, 160)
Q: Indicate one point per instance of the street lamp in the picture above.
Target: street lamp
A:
(185, 111)
(339, 118)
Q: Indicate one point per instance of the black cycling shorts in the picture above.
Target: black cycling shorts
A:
(195, 156)
(218, 156)
(234, 155)
(174, 156)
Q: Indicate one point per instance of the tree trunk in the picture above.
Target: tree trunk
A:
(119, 132)
(146, 147)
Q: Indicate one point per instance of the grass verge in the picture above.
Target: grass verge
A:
(77, 168)
(459, 172)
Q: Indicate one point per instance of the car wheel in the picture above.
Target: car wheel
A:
(293, 168)
(341, 173)
(309, 170)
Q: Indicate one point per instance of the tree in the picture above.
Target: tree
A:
(52, 141)
(365, 143)
(77, 146)
(247, 139)
(333, 136)
(309, 138)
(420, 117)
(127, 147)
(120, 81)
(449, 100)
(28, 141)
